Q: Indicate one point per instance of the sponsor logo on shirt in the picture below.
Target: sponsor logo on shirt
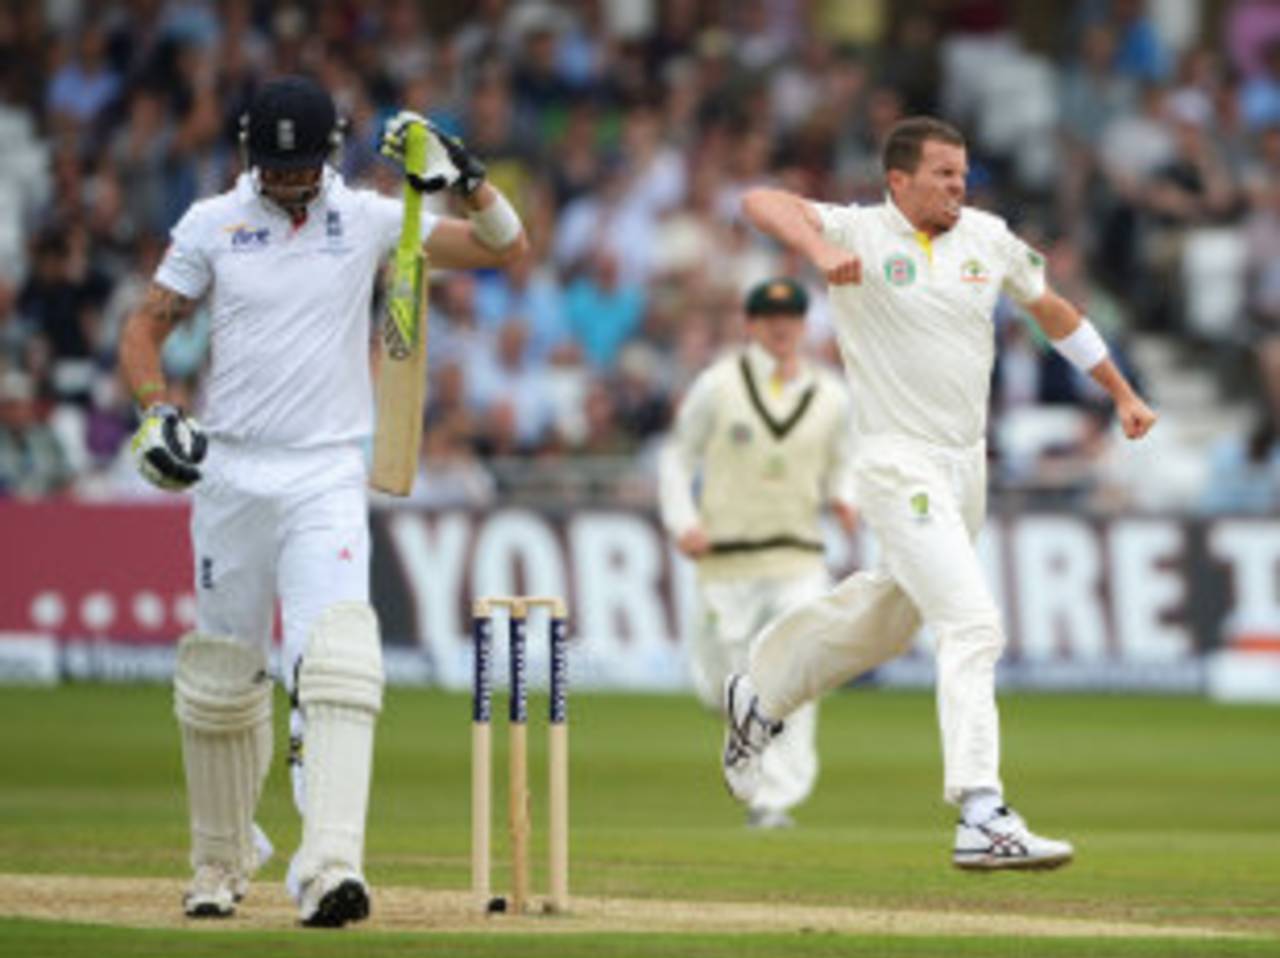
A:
(245, 237)
(900, 270)
(974, 271)
(740, 434)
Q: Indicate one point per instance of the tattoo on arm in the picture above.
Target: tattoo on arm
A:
(164, 306)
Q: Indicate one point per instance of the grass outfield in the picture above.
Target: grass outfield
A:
(1174, 806)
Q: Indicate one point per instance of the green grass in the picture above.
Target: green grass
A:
(1174, 806)
(36, 940)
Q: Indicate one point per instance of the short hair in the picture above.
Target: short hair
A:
(905, 143)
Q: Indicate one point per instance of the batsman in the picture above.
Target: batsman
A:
(286, 261)
(914, 282)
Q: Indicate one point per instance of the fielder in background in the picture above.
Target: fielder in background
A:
(768, 434)
(914, 281)
(287, 259)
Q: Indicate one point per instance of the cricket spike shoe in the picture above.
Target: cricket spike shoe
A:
(1005, 842)
(212, 892)
(747, 733)
(334, 898)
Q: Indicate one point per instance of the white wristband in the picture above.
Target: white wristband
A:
(496, 226)
(1083, 348)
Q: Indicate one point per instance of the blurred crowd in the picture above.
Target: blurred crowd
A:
(1140, 148)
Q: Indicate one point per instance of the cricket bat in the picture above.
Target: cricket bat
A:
(402, 370)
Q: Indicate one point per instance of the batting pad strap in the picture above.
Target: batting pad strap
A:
(220, 684)
(1083, 347)
(496, 226)
(342, 664)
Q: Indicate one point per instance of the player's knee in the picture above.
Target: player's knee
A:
(979, 632)
(220, 684)
(342, 661)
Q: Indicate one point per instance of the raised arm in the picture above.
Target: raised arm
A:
(792, 221)
(492, 236)
(1076, 339)
(463, 244)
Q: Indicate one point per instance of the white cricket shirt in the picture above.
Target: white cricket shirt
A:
(771, 453)
(290, 309)
(916, 334)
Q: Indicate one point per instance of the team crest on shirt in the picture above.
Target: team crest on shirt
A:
(974, 271)
(900, 270)
(334, 233)
(920, 506)
(740, 434)
(245, 238)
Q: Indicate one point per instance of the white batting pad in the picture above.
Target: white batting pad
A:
(340, 690)
(222, 698)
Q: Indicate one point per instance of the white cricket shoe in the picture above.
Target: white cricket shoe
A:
(1004, 841)
(216, 889)
(335, 897)
(748, 732)
(212, 892)
(769, 819)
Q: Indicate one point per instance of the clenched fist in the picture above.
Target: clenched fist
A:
(1136, 417)
(838, 266)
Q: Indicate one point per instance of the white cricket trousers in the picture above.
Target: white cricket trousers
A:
(926, 505)
(733, 612)
(271, 523)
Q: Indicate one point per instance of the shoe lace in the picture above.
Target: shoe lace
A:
(753, 733)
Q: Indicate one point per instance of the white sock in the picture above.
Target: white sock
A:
(980, 805)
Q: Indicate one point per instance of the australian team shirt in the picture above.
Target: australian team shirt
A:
(769, 455)
(916, 334)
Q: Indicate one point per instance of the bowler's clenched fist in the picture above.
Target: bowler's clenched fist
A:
(838, 266)
(1136, 417)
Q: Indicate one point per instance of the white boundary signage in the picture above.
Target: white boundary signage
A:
(1124, 603)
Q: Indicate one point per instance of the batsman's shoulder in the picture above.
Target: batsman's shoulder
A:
(207, 217)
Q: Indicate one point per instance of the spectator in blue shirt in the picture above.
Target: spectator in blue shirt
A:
(603, 312)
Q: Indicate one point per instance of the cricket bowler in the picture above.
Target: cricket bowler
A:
(287, 261)
(913, 284)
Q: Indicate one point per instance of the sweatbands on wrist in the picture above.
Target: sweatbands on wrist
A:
(496, 226)
(146, 390)
(1083, 348)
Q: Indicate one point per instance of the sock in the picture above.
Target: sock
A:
(980, 805)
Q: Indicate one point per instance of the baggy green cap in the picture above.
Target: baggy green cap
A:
(781, 296)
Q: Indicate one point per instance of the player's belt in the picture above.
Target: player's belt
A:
(758, 545)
